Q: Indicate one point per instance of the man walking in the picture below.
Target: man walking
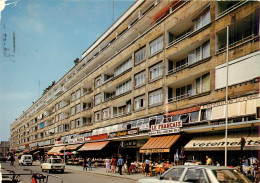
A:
(209, 161)
(128, 163)
(120, 163)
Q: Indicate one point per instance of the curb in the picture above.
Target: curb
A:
(128, 178)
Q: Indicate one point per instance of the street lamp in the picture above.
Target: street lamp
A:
(226, 126)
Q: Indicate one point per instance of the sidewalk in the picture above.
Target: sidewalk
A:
(102, 171)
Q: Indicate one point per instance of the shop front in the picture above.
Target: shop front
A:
(213, 145)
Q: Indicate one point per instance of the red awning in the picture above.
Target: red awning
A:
(94, 146)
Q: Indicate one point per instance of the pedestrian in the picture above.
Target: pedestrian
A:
(120, 163)
(128, 164)
(147, 166)
(217, 163)
(107, 161)
(89, 164)
(12, 160)
(113, 164)
(208, 161)
(84, 163)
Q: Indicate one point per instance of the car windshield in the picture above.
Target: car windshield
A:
(56, 161)
(230, 176)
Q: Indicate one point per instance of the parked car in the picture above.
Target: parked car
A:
(199, 174)
(26, 159)
(53, 164)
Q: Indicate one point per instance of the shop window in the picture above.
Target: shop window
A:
(152, 121)
(194, 116)
(184, 118)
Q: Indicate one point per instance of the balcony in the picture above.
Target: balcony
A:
(58, 91)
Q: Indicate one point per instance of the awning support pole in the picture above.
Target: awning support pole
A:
(226, 128)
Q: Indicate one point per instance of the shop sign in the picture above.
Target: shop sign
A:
(33, 145)
(124, 133)
(154, 150)
(165, 131)
(170, 125)
(58, 142)
(80, 140)
(132, 143)
(96, 137)
(231, 101)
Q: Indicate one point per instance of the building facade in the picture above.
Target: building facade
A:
(4, 148)
(158, 73)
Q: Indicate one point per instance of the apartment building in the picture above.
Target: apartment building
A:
(155, 82)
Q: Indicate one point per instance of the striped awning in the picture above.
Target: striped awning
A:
(94, 146)
(159, 144)
(71, 147)
(55, 150)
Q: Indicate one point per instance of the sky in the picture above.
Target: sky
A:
(40, 39)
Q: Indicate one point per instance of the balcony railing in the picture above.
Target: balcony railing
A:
(177, 69)
(184, 36)
(59, 90)
(186, 95)
(121, 114)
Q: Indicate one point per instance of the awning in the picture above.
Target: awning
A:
(55, 150)
(159, 144)
(94, 146)
(217, 143)
(71, 147)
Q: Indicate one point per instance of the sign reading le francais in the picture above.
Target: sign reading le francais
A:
(175, 124)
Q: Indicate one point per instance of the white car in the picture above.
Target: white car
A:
(26, 159)
(199, 174)
(53, 164)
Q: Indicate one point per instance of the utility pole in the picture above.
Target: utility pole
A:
(226, 126)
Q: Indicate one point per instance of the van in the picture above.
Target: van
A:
(26, 160)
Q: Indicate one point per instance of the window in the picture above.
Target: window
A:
(139, 102)
(97, 116)
(60, 128)
(57, 118)
(205, 114)
(140, 55)
(77, 123)
(123, 67)
(60, 116)
(173, 174)
(73, 97)
(155, 71)
(199, 53)
(184, 91)
(156, 45)
(97, 99)
(72, 124)
(78, 94)
(106, 113)
(202, 20)
(123, 88)
(72, 111)
(57, 107)
(195, 175)
(194, 116)
(203, 84)
(98, 82)
(155, 97)
(77, 108)
(140, 79)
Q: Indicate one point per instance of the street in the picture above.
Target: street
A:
(69, 176)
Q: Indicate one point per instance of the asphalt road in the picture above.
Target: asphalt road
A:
(69, 176)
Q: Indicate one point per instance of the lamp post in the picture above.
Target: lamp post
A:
(226, 126)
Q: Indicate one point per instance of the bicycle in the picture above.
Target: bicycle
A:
(39, 178)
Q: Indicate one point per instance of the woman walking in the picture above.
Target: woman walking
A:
(113, 165)
(89, 164)
(147, 166)
(107, 161)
